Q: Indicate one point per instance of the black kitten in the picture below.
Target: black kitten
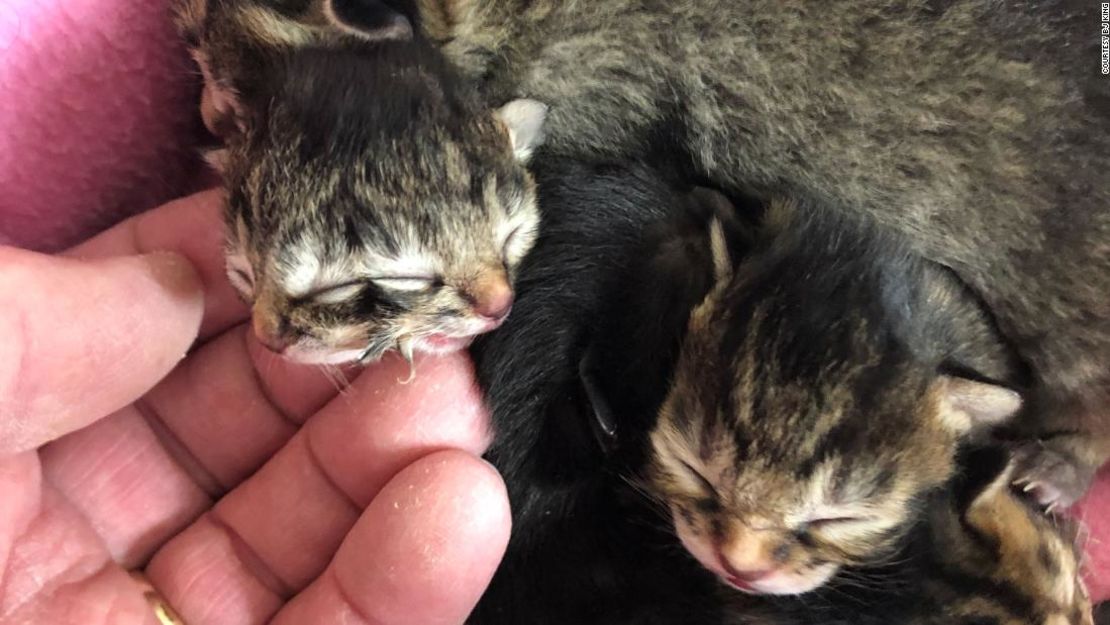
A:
(586, 547)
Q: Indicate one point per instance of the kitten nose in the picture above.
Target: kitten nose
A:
(747, 555)
(743, 575)
(492, 298)
(271, 331)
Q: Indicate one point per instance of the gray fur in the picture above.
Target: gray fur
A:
(978, 129)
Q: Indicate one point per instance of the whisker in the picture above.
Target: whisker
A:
(405, 346)
(835, 590)
(337, 379)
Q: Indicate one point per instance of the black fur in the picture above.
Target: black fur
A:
(578, 526)
(621, 260)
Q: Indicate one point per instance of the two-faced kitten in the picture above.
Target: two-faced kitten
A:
(822, 389)
(374, 202)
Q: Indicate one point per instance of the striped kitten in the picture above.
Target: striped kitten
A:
(821, 391)
(574, 380)
(982, 555)
(374, 202)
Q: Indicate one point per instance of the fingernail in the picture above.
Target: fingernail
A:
(175, 273)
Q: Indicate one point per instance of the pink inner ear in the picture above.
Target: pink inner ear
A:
(219, 105)
(984, 405)
(220, 111)
(393, 26)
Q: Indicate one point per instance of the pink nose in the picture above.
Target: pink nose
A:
(742, 574)
(494, 302)
(271, 335)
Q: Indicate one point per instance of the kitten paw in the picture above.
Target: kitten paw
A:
(1053, 479)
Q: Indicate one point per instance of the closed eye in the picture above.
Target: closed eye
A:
(509, 240)
(241, 279)
(518, 243)
(407, 283)
(336, 294)
(834, 520)
(706, 485)
(844, 526)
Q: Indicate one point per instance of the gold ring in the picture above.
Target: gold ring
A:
(162, 610)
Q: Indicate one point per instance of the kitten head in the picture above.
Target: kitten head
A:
(981, 553)
(374, 203)
(801, 430)
(234, 42)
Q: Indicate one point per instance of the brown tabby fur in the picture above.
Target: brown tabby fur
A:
(375, 202)
(978, 129)
(820, 393)
(992, 559)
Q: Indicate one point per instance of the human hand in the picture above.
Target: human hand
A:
(248, 489)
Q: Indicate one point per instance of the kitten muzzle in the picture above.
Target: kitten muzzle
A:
(490, 297)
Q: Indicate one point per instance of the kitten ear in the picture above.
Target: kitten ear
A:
(984, 473)
(966, 405)
(220, 106)
(217, 159)
(728, 240)
(718, 248)
(372, 20)
(524, 118)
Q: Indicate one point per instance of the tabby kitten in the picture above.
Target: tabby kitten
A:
(233, 41)
(574, 380)
(373, 201)
(978, 129)
(982, 555)
(822, 388)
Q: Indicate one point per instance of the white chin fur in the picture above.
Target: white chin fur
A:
(320, 357)
(795, 583)
(440, 348)
(345, 356)
(786, 583)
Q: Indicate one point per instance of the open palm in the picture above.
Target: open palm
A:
(249, 489)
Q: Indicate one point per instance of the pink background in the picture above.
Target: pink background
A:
(97, 116)
(98, 120)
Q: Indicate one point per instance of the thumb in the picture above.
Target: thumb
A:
(81, 339)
